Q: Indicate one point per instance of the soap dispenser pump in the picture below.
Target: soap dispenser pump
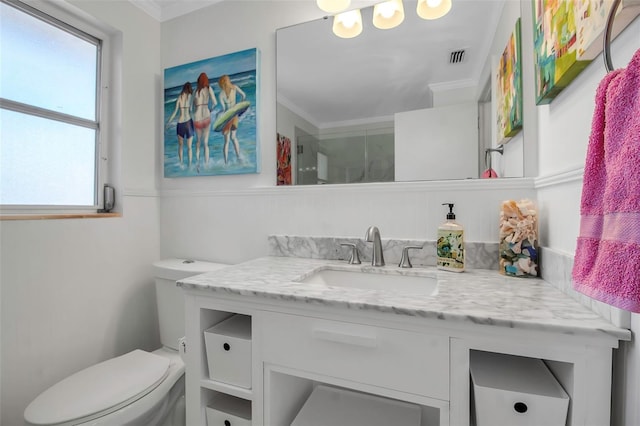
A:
(450, 244)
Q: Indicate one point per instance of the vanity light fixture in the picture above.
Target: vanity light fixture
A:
(388, 14)
(333, 6)
(348, 24)
(433, 9)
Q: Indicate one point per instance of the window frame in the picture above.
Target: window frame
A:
(70, 19)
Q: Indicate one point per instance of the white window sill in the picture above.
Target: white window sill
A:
(39, 216)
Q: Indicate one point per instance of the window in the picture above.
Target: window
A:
(50, 101)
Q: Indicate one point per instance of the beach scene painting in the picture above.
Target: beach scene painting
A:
(509, 88)
(210, 116)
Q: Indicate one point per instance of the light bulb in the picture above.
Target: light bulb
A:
(348, 24)
(433, 9)
(349, 19)
(333, 6)
(387, 9)
(388, 15)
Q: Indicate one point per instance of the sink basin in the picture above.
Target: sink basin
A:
(374, 281)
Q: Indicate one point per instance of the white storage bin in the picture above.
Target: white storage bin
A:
(340, 407)
(228, 347)
(226, 410)
(516, 391)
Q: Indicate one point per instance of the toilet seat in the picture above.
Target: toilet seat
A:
(99, 389)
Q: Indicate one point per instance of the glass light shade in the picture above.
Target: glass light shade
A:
(348, 24)
(433, 9)
(333, 6)
(388, 15)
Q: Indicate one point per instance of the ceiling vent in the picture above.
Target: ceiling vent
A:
(456, 56)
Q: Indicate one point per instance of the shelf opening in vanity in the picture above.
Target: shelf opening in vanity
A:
(223, 409)
(519, 390)
(225, 365)
(289, 391)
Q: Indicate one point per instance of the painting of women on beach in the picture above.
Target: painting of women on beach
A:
(210, 105)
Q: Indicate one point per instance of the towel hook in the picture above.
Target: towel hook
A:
(499, 150)
(487, 155)
(606, 49)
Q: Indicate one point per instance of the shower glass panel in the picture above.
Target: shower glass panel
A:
(346, 157)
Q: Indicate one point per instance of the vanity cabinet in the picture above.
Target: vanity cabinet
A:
(423, 361)
(384, 357)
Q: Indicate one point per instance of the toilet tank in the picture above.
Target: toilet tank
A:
(170, 298)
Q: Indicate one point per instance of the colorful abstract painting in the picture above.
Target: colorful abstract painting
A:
(567, 35)
(283, 155)
(509, 88)
(555, 43)
(210, 115)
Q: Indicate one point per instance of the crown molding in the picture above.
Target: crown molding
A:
(164, 10)
(150, 7)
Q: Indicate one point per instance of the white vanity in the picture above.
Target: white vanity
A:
(404, 345)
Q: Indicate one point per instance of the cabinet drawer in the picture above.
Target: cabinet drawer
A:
(395, 359)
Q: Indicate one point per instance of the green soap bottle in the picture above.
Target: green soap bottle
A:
(450, 244)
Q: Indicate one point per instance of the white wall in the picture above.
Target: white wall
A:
(288, 121)
(454, 93)
(77, 292)
(564, 127)
(512, 161)
(437, 143)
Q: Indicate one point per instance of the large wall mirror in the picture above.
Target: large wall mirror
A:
(401, 104)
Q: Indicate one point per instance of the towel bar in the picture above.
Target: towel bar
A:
(606, 49)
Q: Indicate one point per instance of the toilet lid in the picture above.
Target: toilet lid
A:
(107, 386)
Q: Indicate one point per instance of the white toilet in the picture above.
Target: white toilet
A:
(138, 388)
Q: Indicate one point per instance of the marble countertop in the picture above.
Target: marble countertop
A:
(475, 296)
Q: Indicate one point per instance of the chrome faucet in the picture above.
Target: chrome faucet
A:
(373, 236)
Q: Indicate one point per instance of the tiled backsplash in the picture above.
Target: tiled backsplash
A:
(477, 255)
(555, 267)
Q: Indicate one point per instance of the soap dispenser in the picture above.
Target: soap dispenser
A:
(450, 244)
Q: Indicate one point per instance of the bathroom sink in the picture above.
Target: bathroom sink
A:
(389, 280)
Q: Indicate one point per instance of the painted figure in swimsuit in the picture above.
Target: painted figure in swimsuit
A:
(184, 129)
(202, 115)
(228, 100)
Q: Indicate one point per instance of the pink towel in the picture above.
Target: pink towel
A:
(607, 260)
(489, 173)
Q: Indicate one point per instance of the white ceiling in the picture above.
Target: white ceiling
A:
(163, 10)
(376, 74)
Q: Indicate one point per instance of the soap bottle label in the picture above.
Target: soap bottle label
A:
(450, 249)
